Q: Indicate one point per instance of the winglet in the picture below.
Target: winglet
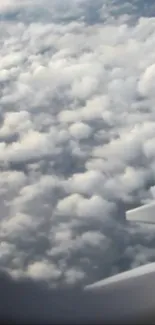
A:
(145, 214)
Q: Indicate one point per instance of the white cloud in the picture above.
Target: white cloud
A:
(88, 183)
(72, 276)
(95, 207)
(77, 137)
(43, 270)
(80, 130)
(146, 81)
(16, 122)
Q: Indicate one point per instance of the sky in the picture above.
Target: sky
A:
(77, 139)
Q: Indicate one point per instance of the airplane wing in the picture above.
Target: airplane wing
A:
(144, 214)
(126, 297)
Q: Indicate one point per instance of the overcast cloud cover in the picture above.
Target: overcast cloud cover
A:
(77, 137)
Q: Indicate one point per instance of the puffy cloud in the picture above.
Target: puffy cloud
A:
(88, 183)
(80, 131)
(43, 270)
(77, 137)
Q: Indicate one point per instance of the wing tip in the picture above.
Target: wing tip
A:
(144, 213)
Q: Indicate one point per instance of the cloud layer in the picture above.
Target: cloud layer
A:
(77, 138)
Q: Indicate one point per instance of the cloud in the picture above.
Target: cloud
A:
(76, 138)
(80, 130)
